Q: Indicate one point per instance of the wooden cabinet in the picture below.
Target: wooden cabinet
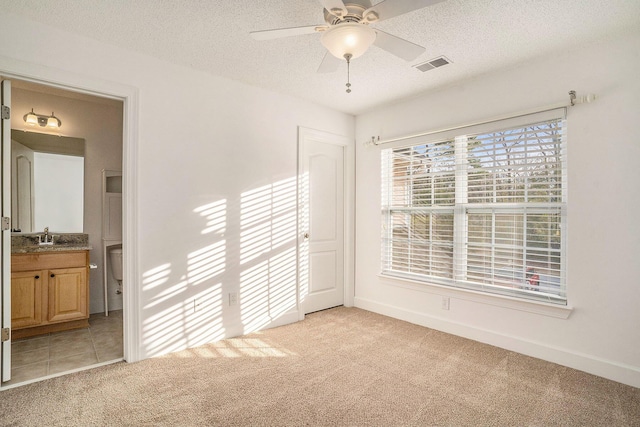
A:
(67, 294)
(49, 292)
(26, 299)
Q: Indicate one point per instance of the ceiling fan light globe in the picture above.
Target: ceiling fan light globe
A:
(348, 38)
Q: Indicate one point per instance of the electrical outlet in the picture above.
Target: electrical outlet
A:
(445, 303)
(233, 298)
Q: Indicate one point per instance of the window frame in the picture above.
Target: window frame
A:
(462, 207)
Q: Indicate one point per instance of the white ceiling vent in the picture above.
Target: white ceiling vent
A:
(433, 63)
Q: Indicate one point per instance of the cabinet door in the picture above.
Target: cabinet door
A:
(68, 294)
(27, 298)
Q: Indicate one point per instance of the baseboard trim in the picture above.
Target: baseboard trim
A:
(625, 374)
(285, 319)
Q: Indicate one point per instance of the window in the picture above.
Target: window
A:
(483, 211)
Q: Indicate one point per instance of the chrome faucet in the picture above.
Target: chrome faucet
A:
(46, 238)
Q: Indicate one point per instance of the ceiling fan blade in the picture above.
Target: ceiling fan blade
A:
(399, 47)
(286, 32)
(389, 8)
(329, 63)
(335, 7)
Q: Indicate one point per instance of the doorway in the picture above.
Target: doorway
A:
(324, 221)
(52, 354)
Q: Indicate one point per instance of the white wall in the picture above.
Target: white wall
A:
(601, 334)
(205, 145)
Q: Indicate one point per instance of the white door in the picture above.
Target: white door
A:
(5, 235)
(322, 220)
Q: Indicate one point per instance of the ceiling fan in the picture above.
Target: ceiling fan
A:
(347, 33)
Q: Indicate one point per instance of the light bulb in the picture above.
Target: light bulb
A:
(52, 122)
(31, 118)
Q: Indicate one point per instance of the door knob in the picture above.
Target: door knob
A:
(37, 277)
(53, 275)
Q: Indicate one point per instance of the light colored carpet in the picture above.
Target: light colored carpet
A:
(343, 366)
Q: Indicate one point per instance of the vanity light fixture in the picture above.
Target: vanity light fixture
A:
(33, 119)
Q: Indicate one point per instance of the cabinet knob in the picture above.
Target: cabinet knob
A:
(53, 275)
(37, 277)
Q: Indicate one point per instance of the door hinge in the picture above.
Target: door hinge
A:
(6, 112)
(6, 334)
(6, 223)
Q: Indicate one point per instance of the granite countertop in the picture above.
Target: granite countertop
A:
(63, 242)
(51, 248)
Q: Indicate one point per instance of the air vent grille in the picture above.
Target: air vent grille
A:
(433, 63)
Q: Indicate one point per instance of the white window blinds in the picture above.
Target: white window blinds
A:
(484, 211)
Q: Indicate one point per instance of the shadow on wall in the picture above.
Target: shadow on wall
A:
(256, 256)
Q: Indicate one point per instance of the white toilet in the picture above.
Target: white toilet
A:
(116, 266)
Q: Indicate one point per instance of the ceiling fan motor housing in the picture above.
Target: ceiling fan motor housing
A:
(355, 10)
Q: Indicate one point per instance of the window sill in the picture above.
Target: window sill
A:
(530, 306)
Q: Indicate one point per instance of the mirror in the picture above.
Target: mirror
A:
(47, 182)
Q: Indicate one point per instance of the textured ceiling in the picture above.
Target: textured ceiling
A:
(478, 36)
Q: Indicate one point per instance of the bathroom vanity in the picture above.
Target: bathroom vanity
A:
(49, 285)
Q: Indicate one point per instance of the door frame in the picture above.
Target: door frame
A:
(5, 239)
(14, 69)
(349, 230)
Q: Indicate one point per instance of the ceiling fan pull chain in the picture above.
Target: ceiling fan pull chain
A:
(347, 56)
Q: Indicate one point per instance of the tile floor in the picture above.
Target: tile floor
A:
(57, 352)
